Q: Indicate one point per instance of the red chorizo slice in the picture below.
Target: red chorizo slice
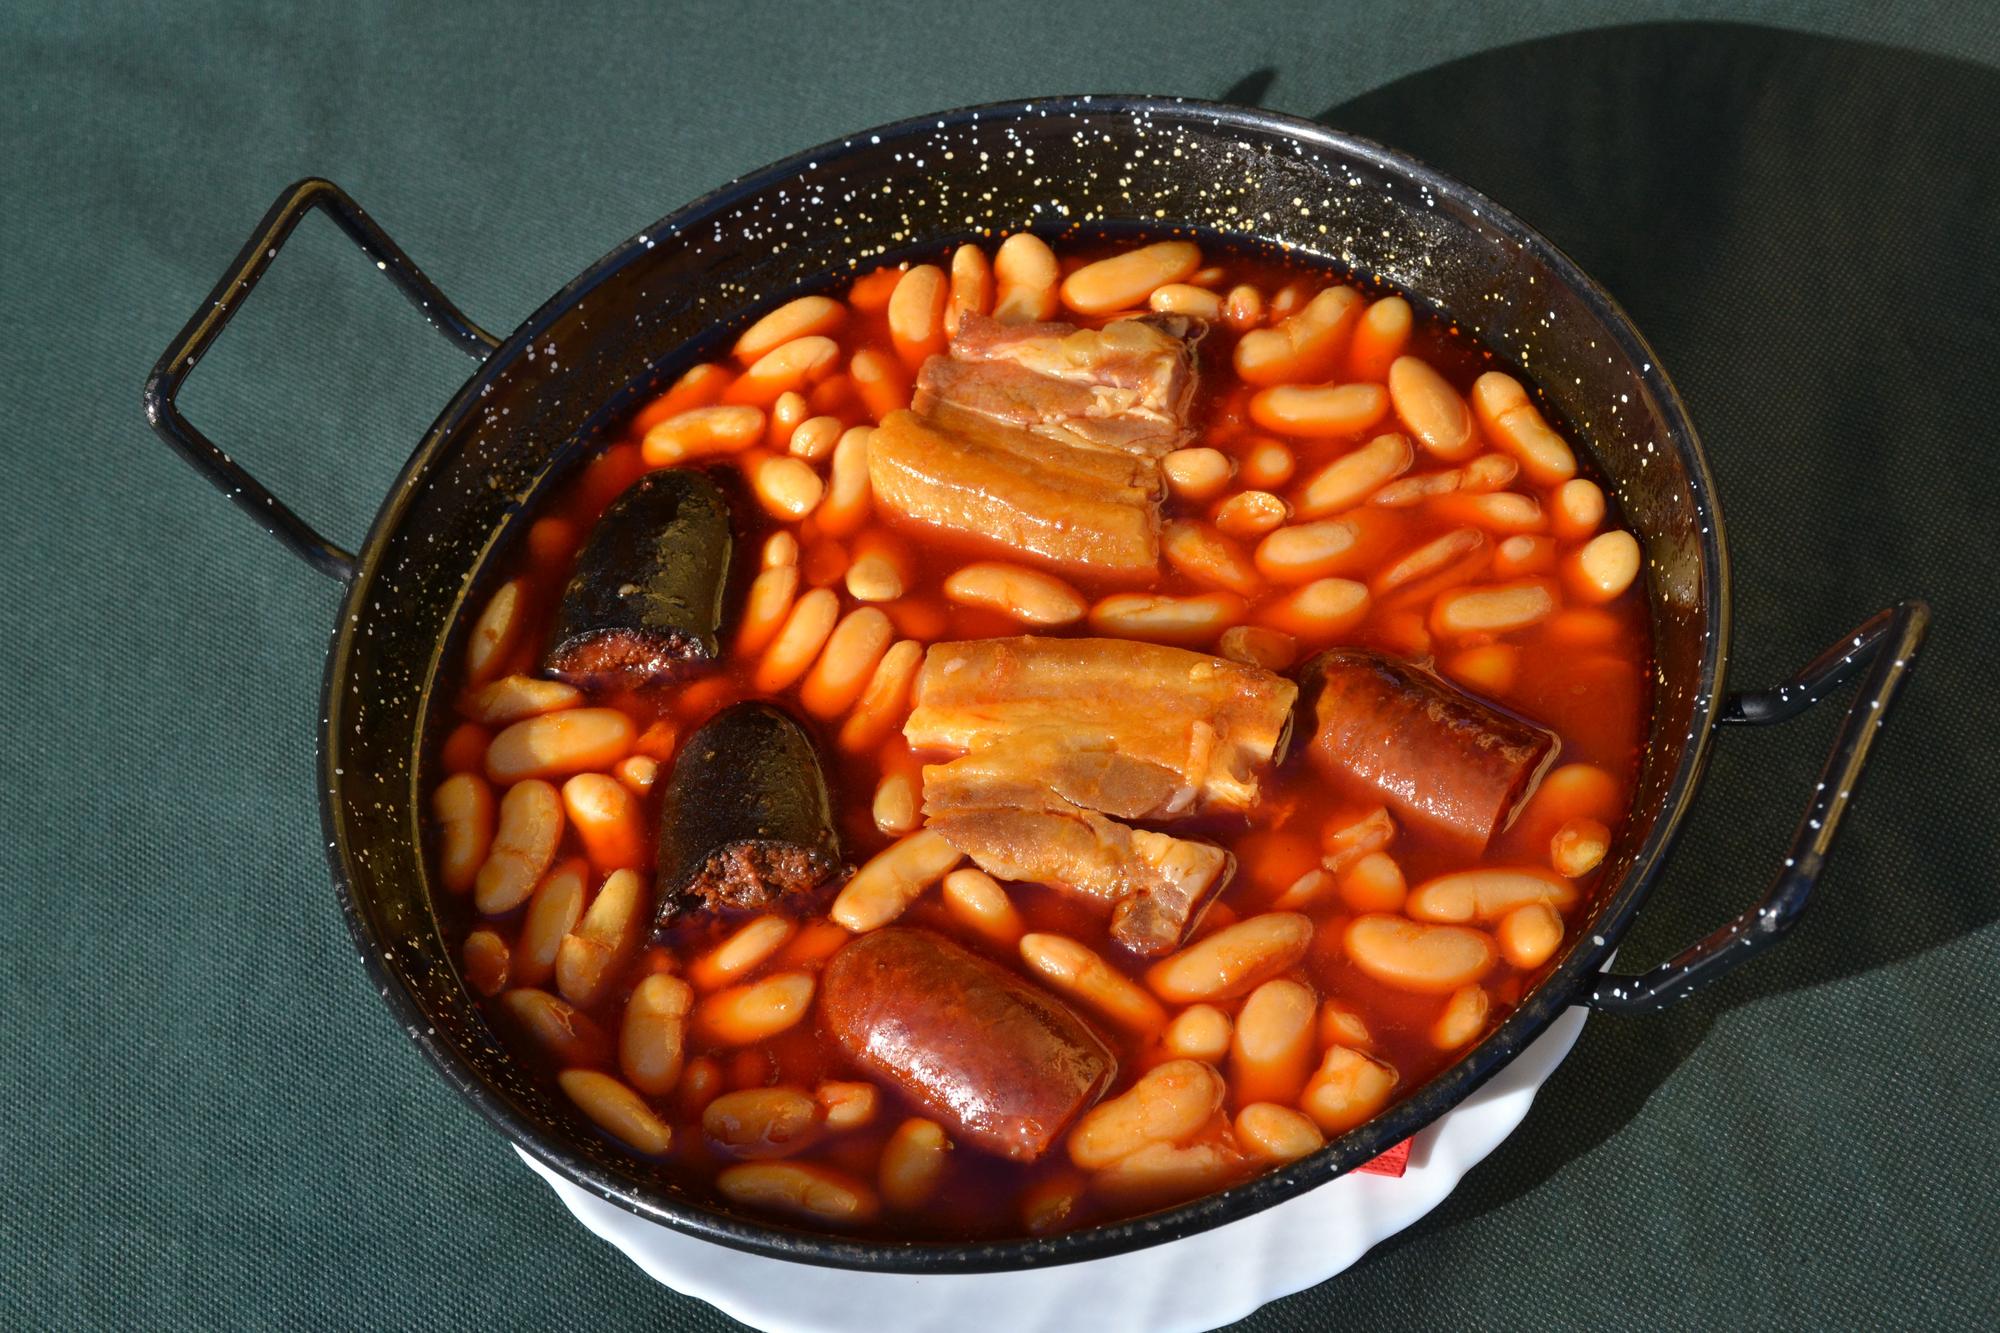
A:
(1433, 752)
(1002, 1063)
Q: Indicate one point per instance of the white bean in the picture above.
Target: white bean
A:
(913, 1162)
(651, 1040)
(761, 1122)
(1273, 1046)
(1578, 508)
(1487, 894)
(524, 844)
(795, 319)
(1192, 621)
(552, 913)
(1233, 960)
(1079, 973)
(1198, 474)
(553, 745)
(703, 432)
(1161, 1173)
(1353, 477)
(1277, 1133)
(976, 900)
(1025, 272)
(1169, 1104)
(1529, 935)
(846, 662)
(463, 806)
(511, 698)
(745, 1014)
(590, 957)
(1578, 847)
(1413, 956)
(1514, 423)
(804, 1189)
(916, 313)
(894, 809)
(1026, 595)
(1306, 551)
(1498, 608)
(1200, 1032)
(1180, 298)
(893, 879)
(1463, 1018)
(1126, 280)
(1327, 411)
(1603, 567)
(1348, 1088)
(617, 1110)
(1431, 410)
(786, 487)
(497, 631)
(1437, 554)
(1251, 514)
(748, 948)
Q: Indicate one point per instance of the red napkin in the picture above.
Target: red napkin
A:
(1391, 1163)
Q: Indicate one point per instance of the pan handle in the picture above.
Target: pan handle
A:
(1885, 647)
(171, 371)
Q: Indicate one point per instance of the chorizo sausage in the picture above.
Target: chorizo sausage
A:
(1434, 753)
(1004, 1064)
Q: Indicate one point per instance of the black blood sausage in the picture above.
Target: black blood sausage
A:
(645, 603)
(745, 821)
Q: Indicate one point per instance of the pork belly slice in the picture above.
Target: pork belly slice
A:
(1059, 739)
(1210, 723)
(1073, 414)
(1156, 884)
(1050, 769)
(1131, 480)
(1126, 386)
(1044, 440)
(1186, 877)
(1020, 493)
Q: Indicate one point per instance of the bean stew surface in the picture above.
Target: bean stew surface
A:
(1036, 736)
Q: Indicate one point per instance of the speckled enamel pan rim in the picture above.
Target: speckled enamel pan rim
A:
(1560, 989)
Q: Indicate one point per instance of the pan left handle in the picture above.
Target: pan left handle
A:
(1883, 651)
(171, 371)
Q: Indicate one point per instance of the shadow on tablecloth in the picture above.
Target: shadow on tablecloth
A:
(1808, 231)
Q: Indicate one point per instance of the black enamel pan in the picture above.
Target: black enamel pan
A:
(543, 398)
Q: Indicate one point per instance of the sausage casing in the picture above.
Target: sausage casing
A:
(1432, 752)
(1004, 1064)
(746, 821)
(645, 603)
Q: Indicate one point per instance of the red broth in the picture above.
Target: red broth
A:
(1579, 671)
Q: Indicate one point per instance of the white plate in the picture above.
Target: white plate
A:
(1199, 1282)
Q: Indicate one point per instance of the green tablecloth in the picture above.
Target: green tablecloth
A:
(212, 1122)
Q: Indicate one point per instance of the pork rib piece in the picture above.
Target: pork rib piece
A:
(1155, 884)
(1055, 737)
(1124, 387)
(1210, 722)
(1044, 440)
(1020, 493)
(1048, 768)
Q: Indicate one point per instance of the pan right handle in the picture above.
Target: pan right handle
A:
(1885, 646)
